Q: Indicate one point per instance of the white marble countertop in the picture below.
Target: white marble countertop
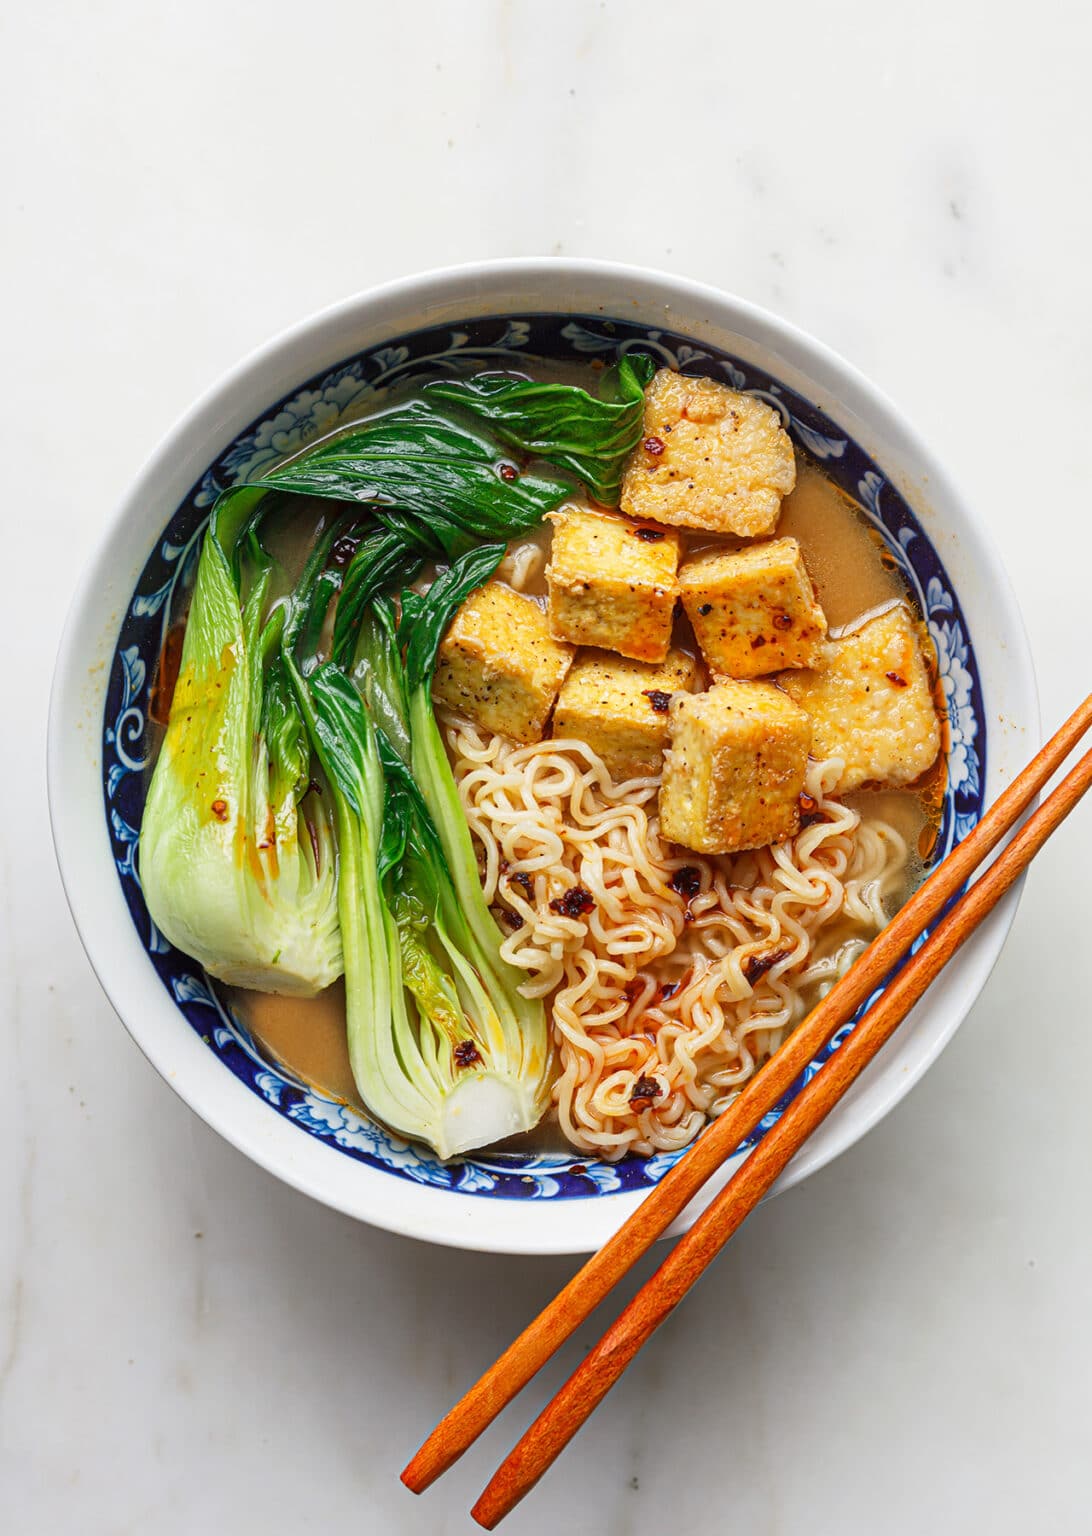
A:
(903, 1344)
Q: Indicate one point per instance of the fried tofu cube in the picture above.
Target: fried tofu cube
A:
(710, 457)
(734, 768)
(612, 583)
(619, 708)
(871, 703)
(754, 610)
(498, 664)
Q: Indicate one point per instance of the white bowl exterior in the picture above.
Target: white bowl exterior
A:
(76, 710)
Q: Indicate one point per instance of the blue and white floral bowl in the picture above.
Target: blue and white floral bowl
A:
(298, 388)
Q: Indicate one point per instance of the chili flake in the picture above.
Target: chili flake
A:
(646, 1090)
(686, 881)
(576, 902)
(343, 549)
(757, 965)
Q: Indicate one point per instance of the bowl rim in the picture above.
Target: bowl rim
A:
(83, 853)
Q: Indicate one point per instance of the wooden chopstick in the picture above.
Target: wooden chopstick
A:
(601, 1368)
(574, 1304)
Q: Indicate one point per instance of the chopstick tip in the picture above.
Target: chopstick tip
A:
(412, 1478)
(484, 1515)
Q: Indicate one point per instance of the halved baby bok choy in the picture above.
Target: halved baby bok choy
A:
(442, 1046)
(237, 857)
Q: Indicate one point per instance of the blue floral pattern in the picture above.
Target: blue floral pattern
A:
(312, 410)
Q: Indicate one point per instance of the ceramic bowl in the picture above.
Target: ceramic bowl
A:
(298, 387)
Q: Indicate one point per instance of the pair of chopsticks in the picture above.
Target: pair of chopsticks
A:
(602, 1366)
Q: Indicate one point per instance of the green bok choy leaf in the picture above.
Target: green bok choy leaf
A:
(430, 487)
(566, 426)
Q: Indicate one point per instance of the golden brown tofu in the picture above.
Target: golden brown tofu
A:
(870, 702)
(754, 611)
(710, 457)
(734, 768)
(620, 708)
(498, 664)
(612, 583)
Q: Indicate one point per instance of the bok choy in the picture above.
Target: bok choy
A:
(237, 857)
(442, 1046)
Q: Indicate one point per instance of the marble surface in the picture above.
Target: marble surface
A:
(904, 1343)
